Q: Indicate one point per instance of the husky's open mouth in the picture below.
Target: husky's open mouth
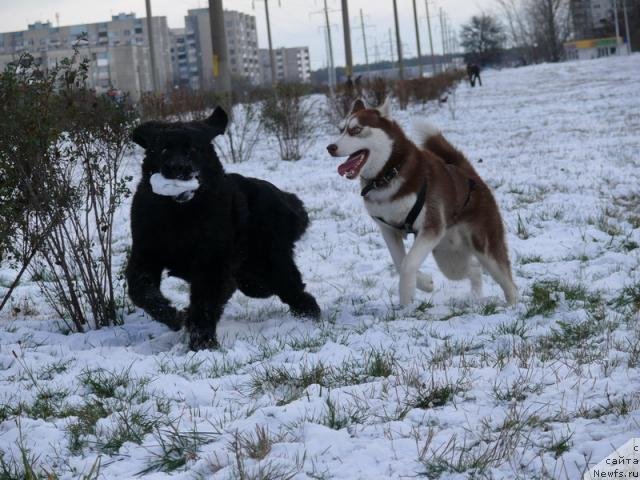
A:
(351, 168)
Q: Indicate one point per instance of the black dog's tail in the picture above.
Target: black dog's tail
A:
(299, 216)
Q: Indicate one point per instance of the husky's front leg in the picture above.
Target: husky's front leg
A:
(393, 239)
(423, 244)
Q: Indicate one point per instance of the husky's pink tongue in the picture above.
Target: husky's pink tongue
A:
(352, 166)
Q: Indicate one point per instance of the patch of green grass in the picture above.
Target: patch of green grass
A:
(628, 299)
(273, 377)
(521, 229)
(515, 391)
(48, 404)
(103, 383)
(530, 259)
(517, 328)
(51, 370)
(547, 294)
(87, 416)
(435, 394)
(560, 446)
(488, 309)
(379, 364)
(176, 448)
(121, 385)
(337, 419)
(131, 425)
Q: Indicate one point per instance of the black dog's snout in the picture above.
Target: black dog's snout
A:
(178, 168)
(332, 149)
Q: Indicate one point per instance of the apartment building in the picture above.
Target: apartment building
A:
(592, 18)
(292, 64)
(242, 46)
(118, 51)
(184, 59)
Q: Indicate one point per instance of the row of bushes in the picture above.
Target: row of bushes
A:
(287, 112)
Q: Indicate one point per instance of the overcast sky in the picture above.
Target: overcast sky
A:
(293, 22)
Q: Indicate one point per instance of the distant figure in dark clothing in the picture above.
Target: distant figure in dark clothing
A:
(358, 84)
(473, 71)
(349, 84)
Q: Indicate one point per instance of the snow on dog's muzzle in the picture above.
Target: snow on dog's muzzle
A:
(351, 168)
(180, 190)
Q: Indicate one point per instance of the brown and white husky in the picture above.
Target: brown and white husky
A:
(429, 190)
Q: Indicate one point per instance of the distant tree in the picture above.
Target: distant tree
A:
(483, 38)
(538, 28)
(550, 22)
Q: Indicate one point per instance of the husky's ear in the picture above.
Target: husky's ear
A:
(217, 122)
(358, 105)
(385, 108)
(146, 133)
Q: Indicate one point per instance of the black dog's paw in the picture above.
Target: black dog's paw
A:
(306, 306)
(202, 339)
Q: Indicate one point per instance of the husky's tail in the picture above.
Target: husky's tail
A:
(430, 138)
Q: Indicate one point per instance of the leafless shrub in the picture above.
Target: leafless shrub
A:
(64, 156)
(243, 132)
(288, 115)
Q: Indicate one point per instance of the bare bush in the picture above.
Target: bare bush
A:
(181, 104)
(242, 134)
(29, 130)
(78, 253)
(289, 115)
(64, 156)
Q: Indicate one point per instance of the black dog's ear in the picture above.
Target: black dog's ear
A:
(217, 122)
(145, 133)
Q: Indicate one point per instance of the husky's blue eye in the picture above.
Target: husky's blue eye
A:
(355, 130)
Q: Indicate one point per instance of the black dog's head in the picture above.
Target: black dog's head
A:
(179, 155)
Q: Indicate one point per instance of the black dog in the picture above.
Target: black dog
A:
(228, 232)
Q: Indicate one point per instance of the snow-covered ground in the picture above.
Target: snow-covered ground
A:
(450, 388)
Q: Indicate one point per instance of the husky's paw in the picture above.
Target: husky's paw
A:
(424, 282)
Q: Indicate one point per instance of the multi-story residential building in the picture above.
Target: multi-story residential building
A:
(592, 18)
(594, 30)
(118, 51)
(184, 59)
(242, 45)
(292, 64)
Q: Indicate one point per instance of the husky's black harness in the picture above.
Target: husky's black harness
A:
(407, 226)
(412, 216)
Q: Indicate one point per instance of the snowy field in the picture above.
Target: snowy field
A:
(449, 388)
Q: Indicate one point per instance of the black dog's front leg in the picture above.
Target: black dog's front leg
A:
(143, 278)
(209, 294)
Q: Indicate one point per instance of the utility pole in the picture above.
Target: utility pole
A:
(626, 26)
(364, 40)
(221, 73)
(332, 72)
(415, 21)
(442, 33)
(615, 16)
(347, 38)
(433, 57)
(272, 55)
(393, 60)
(154, 73)
(398, 42)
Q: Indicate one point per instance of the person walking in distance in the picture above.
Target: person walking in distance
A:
(473, 71)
